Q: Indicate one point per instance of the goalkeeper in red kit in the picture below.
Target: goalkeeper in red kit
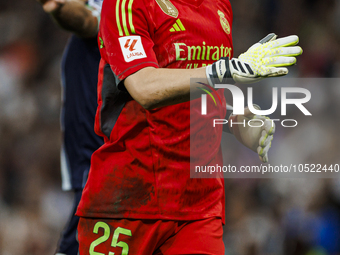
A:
(139, 197)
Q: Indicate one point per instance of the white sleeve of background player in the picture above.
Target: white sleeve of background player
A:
(96, 8)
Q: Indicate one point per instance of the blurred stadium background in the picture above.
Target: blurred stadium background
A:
(264, 216)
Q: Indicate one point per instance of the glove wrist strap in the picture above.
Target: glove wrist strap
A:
(219, 72)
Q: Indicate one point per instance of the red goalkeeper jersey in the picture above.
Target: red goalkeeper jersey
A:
(142, 170)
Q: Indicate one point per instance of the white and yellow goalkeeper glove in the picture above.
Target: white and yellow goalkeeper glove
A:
(267, 58)
(257, 137)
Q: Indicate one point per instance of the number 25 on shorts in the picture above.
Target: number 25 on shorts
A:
(105, 237)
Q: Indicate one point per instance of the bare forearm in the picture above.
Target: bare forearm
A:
(75, 17)
(154, 88)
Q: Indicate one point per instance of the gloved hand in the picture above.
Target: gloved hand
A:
(267, 58)
(256, 138)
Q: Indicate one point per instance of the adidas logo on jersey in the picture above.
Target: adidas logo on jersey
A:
(178, 26)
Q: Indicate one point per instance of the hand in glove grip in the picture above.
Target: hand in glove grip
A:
(267, 58)
(257, 137)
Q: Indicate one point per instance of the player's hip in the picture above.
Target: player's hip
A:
(145, 237)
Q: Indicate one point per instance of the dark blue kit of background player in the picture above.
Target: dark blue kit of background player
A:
(79, 80)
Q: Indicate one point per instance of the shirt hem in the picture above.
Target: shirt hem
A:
(145, 216)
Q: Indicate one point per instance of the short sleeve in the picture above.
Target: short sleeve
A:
(125, 37)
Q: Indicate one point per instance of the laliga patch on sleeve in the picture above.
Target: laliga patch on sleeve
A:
(132, 48)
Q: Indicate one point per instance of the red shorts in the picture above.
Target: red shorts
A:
(150, 237)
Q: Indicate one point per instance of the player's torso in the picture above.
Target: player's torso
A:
(187, 34)
(143, 168)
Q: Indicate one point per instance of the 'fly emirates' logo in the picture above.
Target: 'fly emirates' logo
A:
(200, 52)
(132, 48)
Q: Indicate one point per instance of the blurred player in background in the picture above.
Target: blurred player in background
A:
(139, 198)
(79, 80)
